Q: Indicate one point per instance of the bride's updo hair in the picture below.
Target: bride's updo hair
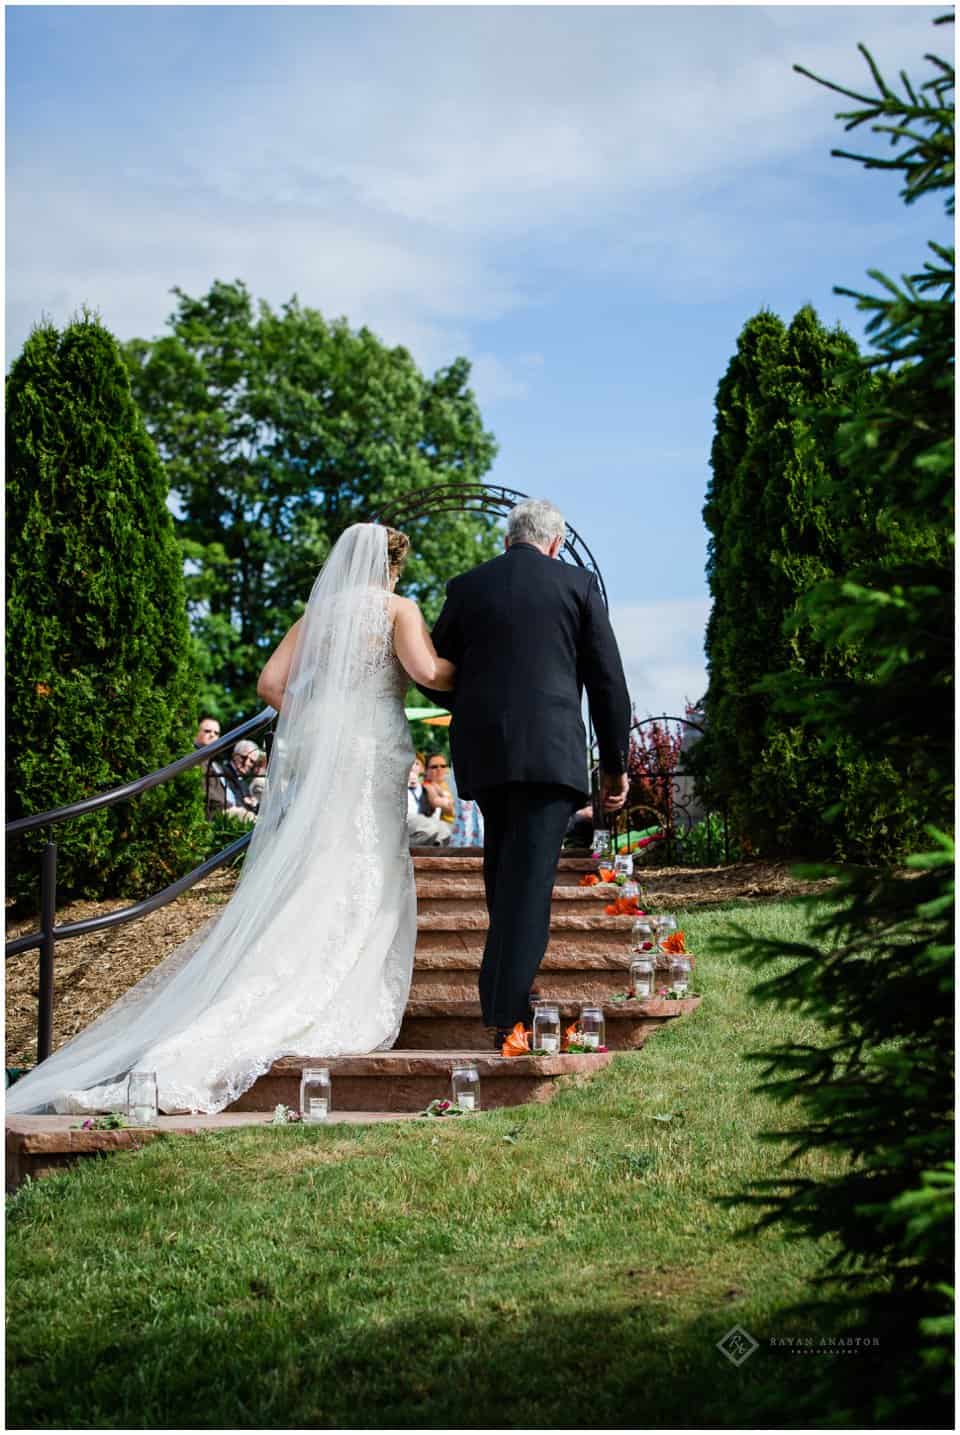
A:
(398, 546)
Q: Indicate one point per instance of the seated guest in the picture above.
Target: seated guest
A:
(207, 732)
(425, 826)
(227, 789)
(579, 831)
(437, 788)
(258, 777)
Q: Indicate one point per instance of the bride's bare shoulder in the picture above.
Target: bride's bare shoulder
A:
(401, 607)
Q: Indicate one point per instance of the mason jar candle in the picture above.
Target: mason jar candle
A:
(142, 1098)
(643, 935)
(465, 1085)
(315, 1094)
(664, 924)
(623, 864)
(680, 971)
(592, 1033)
(642, 974)
(546, 1027)
(601, 847)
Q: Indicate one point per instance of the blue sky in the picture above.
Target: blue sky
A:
(588, 202)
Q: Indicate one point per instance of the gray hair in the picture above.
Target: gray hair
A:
(535, 520)
(243, 747)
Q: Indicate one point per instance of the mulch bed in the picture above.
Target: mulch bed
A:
(93, 971)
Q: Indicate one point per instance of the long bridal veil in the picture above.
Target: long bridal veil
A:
(260, 979)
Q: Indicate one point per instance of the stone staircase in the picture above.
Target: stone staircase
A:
(587, 960)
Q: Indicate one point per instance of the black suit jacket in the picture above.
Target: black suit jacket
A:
(527, 634)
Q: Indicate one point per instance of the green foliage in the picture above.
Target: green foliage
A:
(879, 972)
(877, 977)
(703, 843)
(222, 829)
(278, 431)
(348, 1276)
(778, 530)
(100, 686)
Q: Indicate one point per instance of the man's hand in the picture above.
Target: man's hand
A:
(613, 791)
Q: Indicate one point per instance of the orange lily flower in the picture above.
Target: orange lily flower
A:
(516, 1043)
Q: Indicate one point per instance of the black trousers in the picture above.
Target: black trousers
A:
(523, 827)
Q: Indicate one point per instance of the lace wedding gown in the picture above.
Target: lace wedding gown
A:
(313, 954)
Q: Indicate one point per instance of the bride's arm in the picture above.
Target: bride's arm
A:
(272, 682)
(414, 647)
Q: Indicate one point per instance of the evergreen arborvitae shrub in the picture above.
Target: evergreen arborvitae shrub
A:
(100, 683)
(776, 531)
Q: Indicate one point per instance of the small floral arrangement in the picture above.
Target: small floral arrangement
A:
(284, 1116)
(590, 880)
(671, 994)
(112, 1121)
(624, 907)
(441, 1108)
(572, 1041)
(518, 1042)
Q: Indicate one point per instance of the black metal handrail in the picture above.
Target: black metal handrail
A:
(46, 938)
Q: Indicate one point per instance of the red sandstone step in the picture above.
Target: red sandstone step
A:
(465, 894)
(402, 1080)
(38, 1146)
(476, 921)
(463, 860)
(574, 976)
(458, 1024)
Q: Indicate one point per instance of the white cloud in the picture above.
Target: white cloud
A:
(661, 644)
(405, 170)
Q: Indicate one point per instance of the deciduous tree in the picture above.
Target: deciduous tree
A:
(278, 430)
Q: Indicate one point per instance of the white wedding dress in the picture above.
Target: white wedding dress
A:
(313, 954)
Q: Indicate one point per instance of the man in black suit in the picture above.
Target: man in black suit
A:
(527, 635)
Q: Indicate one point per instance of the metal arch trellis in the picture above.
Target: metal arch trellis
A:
(486, 498)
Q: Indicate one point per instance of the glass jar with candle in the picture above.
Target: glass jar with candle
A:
(546, 1027)
(680, 970)
(142, 1098)
(601, 848)
(623, 864)
(665, 923)
(642, 975)
(465, 1085)
(592, 1033)
(643, 935)
(315, 1094)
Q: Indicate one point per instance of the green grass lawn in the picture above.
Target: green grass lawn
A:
(558, 1266)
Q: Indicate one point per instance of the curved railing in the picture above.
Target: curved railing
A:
(48, 934)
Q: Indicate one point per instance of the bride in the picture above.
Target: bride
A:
(313, 954)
